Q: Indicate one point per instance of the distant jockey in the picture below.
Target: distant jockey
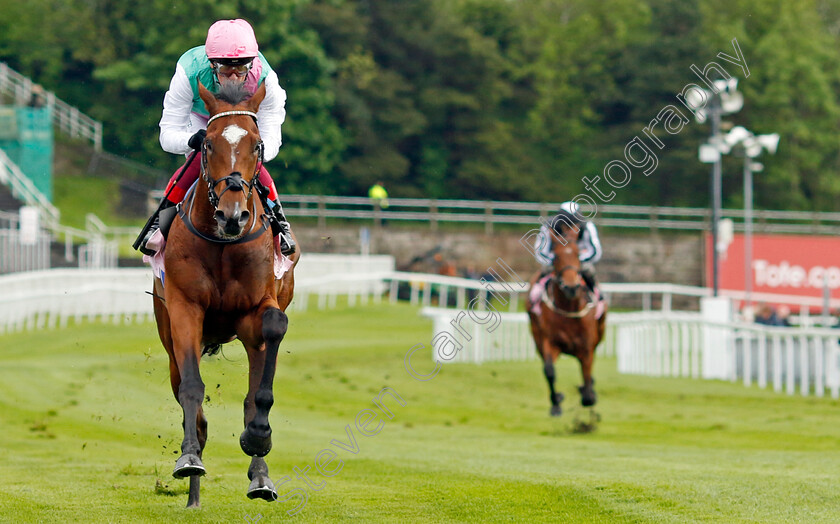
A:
(589, 246)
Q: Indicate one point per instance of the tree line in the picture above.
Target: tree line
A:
(489, 99)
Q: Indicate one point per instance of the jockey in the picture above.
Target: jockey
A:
(230, 54)
(589, 246)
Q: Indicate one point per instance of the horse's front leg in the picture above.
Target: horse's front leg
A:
(186, 349)
(262, 356)
(549, 354)
(256, 439)
(587, 390)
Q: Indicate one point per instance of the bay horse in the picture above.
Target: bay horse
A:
(219, 285)
(563, 317)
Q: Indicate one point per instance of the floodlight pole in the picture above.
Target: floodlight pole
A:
(748, 228)
(715, 113)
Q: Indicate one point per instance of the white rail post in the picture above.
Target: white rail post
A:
(762, 359)
(717, 350)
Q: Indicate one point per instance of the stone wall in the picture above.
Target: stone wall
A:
(628, 256)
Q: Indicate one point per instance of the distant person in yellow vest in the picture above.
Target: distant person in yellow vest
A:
(378, 197)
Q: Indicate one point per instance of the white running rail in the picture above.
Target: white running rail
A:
(790, 359)
(17, 255)
(673, 344)
(654, 343)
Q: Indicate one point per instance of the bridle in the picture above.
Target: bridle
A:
(549, 300)
(234, 182)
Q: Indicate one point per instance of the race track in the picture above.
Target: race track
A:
(91, 431)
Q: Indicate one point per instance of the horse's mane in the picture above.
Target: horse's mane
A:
(233, 93)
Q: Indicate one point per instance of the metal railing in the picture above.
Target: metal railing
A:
(494, 213)
(17, 255)
(66, 118)
(95, 250)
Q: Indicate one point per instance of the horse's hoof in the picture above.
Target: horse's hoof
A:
(587, 398)
(262, 488)
(187, 466)
(588, 401)
(556, 411)
(254, 445)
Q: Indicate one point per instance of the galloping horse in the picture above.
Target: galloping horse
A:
(220, 285)
(565, 318)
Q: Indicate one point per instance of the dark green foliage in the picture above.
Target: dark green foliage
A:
(491, 99)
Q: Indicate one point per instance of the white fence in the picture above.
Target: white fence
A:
(18, 253)
(680, 345)
(23, 256)
(49, 298)
(509, 339)
(663, 343)
(44, 299)
(29, 298)
(98, 254)
(655, 343)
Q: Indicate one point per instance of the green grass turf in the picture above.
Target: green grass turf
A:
(76, 196)
(90, 433)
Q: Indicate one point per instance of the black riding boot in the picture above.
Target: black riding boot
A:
(154, 227)
(588, 274)
(280, 226)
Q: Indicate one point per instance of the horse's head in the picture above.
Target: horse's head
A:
(566, 259)
(232, 154)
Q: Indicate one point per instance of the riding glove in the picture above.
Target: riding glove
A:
(197, 139)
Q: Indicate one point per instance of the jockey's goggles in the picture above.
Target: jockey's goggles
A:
(226, 69)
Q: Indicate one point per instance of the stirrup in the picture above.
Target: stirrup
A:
(282, 229)
(287, 244)
(152, 229)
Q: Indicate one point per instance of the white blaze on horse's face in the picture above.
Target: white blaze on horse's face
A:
(233, 134)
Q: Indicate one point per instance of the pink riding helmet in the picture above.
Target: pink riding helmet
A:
(231, 39)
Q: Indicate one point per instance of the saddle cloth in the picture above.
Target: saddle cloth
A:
(537, 291)
(282, 263)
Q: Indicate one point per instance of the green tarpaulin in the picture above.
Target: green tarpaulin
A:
(26, 136)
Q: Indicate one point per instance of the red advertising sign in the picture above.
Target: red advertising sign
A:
(781, 264)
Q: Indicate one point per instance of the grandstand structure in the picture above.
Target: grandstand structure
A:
(30, 227)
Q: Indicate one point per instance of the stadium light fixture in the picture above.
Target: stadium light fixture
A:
(749, 146)
(725, 99)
